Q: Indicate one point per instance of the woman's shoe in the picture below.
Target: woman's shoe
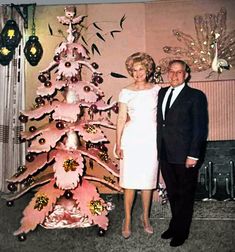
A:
(125, 233)
(147, 228)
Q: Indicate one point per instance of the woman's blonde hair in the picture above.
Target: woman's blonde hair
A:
(144, 59)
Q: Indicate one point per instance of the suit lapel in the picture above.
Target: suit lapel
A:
(179, 98)
(161, 97)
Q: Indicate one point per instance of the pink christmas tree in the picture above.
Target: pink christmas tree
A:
(60, 151)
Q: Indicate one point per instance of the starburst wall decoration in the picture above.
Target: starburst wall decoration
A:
(213, 48)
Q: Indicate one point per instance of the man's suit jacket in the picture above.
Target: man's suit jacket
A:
(185, 128)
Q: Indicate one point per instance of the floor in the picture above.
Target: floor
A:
(212, 230)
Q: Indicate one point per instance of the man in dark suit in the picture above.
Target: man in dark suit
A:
(182, 120)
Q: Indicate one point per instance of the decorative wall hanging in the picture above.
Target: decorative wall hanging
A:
(33, 49)
(11, 35)
(213, 48)
(6, 55)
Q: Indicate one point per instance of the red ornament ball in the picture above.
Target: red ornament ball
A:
(102, 147)
(29, 157)
(101, 232)
(87, 89)
(39, 100)
(74, 79)
(115, 108)
(32, 129)
(11, 187)
(98, 79)
(47, 84)
(67, 64)
(42, 103)
(42, 141)
(93, 108)
(22, 237)
(59, 125)
(10, 203)
(95, 65)
(42, 78)
(68, 194)
(56, 58)
(23, 118)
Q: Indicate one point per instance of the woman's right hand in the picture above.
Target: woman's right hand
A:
(118, 152)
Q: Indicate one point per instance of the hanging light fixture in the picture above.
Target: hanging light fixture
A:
(6, 55)
(11, 35)
(33, 49)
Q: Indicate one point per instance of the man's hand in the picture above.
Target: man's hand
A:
(190, 163)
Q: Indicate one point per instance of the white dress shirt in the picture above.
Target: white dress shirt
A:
(176, 92)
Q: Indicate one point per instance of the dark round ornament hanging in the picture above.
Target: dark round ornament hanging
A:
(42, 78)
(102, 147)
(87, 89)
(32, 128)
(56, 58)
(59, 125)
(95, 65)
(67, 64)
(98, 79)
(47, 84)
(10, 203)
(22, 237)
(33, 50)
(11, 35)
(68, 194)
(74, 79)
(23, 118)
(42, 141)
(93, 108)
(39, 100)
(6, 55)
(115, 108)
(42, 103)
(12, 187)
(29, 157)
(101, 232)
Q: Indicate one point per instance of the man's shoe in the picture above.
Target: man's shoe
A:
(175, 242)
(167, 234)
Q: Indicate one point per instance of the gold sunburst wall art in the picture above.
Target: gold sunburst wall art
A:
(212, 47)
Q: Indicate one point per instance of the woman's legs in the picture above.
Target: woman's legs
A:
(129, 195)
(146, 196)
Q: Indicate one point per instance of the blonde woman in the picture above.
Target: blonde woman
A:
(136, 138)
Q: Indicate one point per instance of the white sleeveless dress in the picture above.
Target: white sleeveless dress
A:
(138, 168)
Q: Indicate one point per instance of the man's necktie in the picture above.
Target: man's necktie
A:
(168, 102)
